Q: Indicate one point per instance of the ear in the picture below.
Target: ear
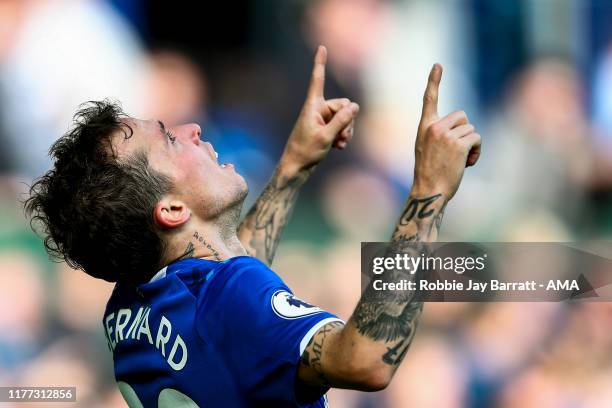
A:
(171, 213)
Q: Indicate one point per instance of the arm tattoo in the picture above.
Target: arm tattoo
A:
(313, 353)
(261, 229)
(392, 317)
(420, 207)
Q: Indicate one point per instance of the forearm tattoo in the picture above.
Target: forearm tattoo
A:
(313, 353)
(391, 317)
(261, 229)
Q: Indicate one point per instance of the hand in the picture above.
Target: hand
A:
(444, 147)
(321, 124)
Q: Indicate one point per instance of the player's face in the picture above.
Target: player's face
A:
(207, 187)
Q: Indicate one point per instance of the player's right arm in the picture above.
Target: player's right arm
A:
(364, 353)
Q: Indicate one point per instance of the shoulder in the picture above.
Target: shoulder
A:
(247, 264)
(245, 272)
(249, 285)
(239, 280)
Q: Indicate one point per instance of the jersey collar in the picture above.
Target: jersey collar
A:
(160, 274)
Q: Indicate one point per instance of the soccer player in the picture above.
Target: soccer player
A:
(197, 318)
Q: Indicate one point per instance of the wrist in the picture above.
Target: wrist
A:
(424, 208)
(290, 171)
(421, 190)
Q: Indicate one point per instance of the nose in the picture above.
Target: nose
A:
(196, 130)
(191, 132)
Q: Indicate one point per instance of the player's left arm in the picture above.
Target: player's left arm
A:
(321, 125)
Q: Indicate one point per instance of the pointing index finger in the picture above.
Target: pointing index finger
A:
(317, 80)
(430, 98)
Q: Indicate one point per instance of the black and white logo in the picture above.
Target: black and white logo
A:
(288, 306)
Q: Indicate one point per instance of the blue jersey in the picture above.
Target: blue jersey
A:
(212, 334)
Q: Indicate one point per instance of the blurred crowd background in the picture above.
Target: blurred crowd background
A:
(535, 76)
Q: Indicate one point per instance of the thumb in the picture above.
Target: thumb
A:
(430, 98)
(342, 119)
(317, 79)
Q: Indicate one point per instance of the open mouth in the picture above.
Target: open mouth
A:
(212, 151)
(222, 165)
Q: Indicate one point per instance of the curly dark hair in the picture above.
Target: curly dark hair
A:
(95, 210)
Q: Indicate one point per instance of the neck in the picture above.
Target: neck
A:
(210, 244)
(214, 241)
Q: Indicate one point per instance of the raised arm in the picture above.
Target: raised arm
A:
(321, 125)
(365, 353)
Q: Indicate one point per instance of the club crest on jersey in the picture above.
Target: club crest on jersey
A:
(288, 306)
